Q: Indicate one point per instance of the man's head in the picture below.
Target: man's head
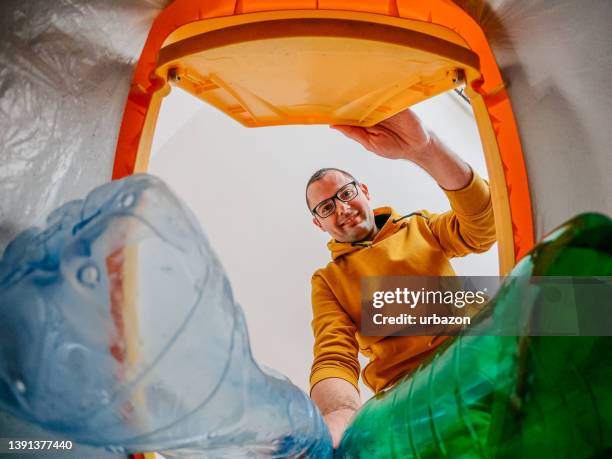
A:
(336, 192)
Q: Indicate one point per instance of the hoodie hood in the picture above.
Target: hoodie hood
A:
(393, 223)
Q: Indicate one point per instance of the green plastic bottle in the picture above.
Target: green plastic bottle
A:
(506, 396)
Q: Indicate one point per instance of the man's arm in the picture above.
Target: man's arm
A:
(335, 368)
(469, 227)
(338, 400)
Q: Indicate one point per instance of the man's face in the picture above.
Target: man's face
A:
(351, 221)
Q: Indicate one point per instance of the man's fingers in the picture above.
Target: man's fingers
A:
(356, 133)
(344, 128)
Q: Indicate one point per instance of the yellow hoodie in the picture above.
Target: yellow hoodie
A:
(417, 244)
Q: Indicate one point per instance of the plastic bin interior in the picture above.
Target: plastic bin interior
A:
(312, 70)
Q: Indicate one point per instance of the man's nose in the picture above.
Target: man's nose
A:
(342, 206)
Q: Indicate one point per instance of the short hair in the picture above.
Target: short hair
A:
(318, 175)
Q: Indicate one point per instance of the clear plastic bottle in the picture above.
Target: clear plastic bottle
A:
(119, 329)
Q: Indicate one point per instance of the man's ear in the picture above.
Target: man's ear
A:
(317, 223)
(364, 190)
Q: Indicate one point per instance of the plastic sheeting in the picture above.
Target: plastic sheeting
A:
(65, 71)
(556, 56)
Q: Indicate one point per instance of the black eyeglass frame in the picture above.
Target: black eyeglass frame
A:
(355, 184)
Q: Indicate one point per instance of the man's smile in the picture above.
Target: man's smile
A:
(350, 221)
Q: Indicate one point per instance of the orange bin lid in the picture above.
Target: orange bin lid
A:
(314, 70)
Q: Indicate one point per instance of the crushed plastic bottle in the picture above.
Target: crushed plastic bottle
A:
(506, 396)
(119, 329)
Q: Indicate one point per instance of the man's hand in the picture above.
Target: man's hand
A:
(338, 400)
(400, 137)
(403, 136)
(337, 422)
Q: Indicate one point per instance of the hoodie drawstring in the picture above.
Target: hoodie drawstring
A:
(409, 215)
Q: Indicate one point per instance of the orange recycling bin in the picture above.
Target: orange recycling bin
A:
(314, 70)
(275, 62)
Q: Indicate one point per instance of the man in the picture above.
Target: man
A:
(379, 242)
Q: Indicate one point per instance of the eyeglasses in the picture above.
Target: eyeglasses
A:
(345, 194)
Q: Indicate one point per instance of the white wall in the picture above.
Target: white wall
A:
(246, 187)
